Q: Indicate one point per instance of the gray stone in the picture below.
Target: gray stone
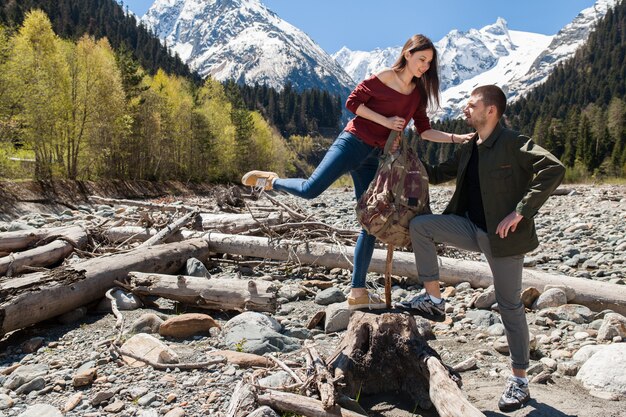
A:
(569, 291)
(196, 268)
(252, 317)
(298, 333)
(337, 317)
(279, 379)
(535, 368)
(292, 292)
(584, 353)
(482, 318)
(6, 402)
(36, 384)
(101, 396)
(41, 410)
(496, 329)
(147, 399)
(329, 296)
(568, 368)
(604, 371)
(149, 347)
(264, 411)
(501, 345)
(147, 323)
(554, 297)
(257, 338)
(570, 312)
(613, 325)
(486, 299)
(549, 363)
(25, 374)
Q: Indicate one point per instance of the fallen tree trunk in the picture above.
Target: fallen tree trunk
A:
(237, 223)
(302, 405)
(386, 354)
(596, 295)
(23, 239)
(224, 223)
(30, 299)
(45, 255)
(214, 294)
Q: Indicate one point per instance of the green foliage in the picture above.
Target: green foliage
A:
(576, 174)
(240, 344)
(83, 111)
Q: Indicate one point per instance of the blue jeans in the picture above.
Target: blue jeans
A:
(347, 154)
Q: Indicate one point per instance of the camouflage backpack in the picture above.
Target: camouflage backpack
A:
(398, 193)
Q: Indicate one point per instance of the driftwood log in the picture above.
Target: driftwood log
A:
(25, 239)
(56, 245)
(36, 297)
(386, 353)
(594, 294)
(214, 294)
(299, 404)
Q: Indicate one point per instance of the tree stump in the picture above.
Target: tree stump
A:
(386, 353)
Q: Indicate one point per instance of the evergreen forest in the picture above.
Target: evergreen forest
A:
(579, 113)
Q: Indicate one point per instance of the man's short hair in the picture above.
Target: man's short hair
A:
(492, 95)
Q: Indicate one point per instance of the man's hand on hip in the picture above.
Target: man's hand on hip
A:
(508, 224)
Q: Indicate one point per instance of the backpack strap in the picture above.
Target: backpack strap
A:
(392, 137)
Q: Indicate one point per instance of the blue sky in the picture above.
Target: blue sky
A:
(368, 24)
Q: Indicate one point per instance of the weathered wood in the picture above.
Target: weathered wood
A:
(386, 353)
(299, 404)
(595, 294)
(237, 223)
(445, 393)
(323, 378)
(382, 353)
(45, 255)
(169, 230)
(388, 269)
(214, 294)
(128, 234)
(40, 296)
(24, 239)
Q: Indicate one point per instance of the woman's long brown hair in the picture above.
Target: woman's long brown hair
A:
(428, 84)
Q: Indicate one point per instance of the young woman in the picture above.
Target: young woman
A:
(382, 103)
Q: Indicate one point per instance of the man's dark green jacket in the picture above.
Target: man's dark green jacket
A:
(515, 174)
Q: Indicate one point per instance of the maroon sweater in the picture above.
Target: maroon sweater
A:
(384, 100)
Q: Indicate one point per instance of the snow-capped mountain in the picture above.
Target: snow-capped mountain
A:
(244, 41)
(361, 64)
(505, 66)
(563, 46)
(517, 61)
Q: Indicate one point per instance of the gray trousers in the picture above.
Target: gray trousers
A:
(462, 233)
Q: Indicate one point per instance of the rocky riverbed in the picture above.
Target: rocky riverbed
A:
(65, 367)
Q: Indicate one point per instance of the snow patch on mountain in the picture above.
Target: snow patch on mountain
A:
(244, 41)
